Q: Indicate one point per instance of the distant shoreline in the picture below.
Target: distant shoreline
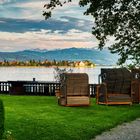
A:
(60, 66)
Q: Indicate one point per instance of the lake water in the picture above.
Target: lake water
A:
(43, 73)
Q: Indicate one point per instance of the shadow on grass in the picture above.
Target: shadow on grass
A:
(1, 119)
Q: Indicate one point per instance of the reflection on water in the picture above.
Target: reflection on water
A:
(42, 73)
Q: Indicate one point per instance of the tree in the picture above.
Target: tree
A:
(117, 18)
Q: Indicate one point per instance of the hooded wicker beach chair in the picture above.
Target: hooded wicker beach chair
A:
(74, 90)
(136, 85)
(115, 87)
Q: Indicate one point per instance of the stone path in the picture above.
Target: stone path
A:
(126, 131)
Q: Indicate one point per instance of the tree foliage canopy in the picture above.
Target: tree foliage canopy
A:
(117, 18)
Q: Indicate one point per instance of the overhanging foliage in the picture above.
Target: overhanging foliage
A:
(117, 18)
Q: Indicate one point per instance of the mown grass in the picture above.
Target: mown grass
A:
(1, 119)
(40, 118)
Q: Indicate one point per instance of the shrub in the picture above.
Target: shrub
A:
(1, 119)
(59, 71)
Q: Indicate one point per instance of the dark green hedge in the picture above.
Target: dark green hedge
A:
(1, 119)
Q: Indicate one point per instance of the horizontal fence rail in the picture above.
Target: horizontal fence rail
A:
(35, 88)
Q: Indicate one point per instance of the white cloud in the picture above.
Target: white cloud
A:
(47, 35)
(4, 1)
(33, 9)
(2, 21)
(45, 39)
(38, 5)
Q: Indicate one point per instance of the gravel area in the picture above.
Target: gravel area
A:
(126, 131)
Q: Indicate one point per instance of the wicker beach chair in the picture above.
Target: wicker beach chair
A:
(74, 90)
(115, 87)
(136, 85)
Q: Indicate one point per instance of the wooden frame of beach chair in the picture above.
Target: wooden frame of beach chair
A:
(115, 88)
(136, 85)
(74, 90)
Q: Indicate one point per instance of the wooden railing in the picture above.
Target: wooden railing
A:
(37, 88)
(92, 89)
(4, 87)
(41, 88)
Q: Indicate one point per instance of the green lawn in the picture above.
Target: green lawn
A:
(40, 118)
(1, 119)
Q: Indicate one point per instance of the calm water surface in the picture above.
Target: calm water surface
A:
(43, 73)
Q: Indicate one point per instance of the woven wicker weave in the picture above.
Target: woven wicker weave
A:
(74, 89)
(136, 85)
(116, 87)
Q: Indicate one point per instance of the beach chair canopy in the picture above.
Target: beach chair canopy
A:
(118, 80)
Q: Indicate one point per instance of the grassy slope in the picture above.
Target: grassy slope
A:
(40, 118)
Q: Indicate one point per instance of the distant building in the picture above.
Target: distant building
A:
(92, 65)
(76, 63)
(82, 64)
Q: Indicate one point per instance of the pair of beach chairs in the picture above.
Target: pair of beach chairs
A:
(116, 86)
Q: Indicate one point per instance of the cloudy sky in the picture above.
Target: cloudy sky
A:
(22, 26)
